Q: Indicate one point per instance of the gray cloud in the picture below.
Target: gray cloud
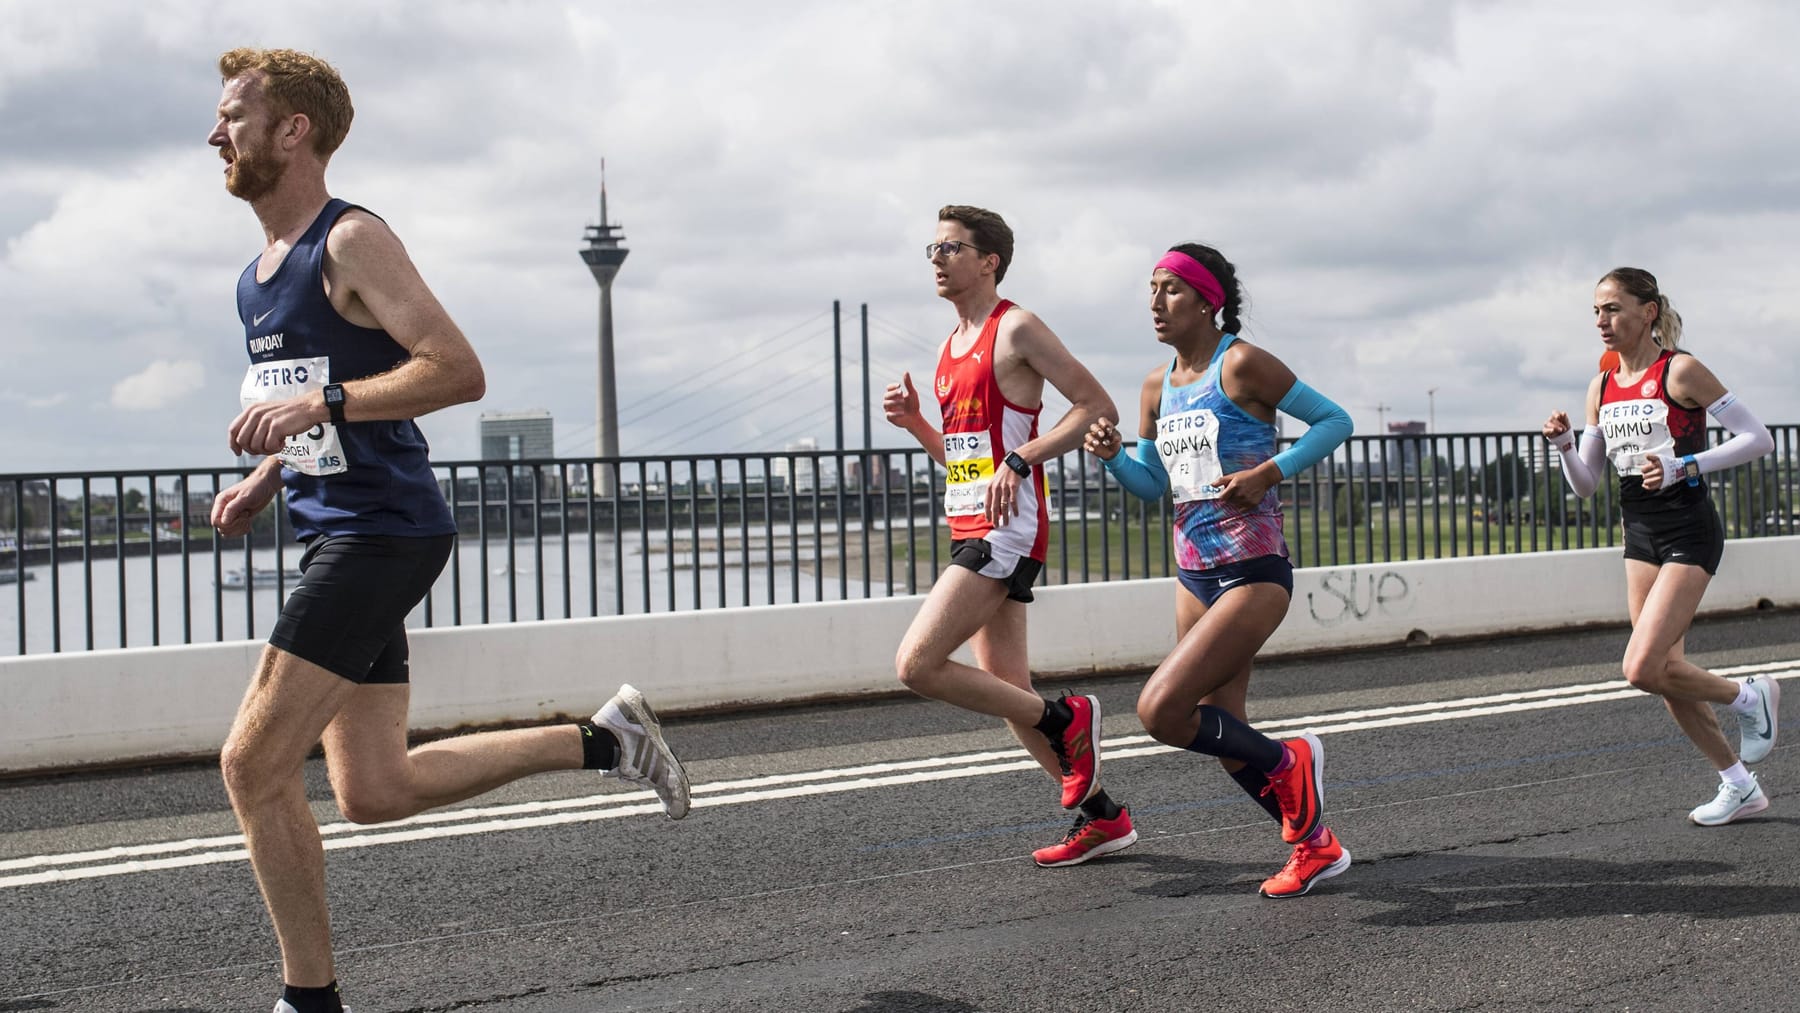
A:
(1418, 195)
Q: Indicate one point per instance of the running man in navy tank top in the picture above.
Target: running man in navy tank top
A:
(989, 384)
(1207, 436)
(1646, 417)
(347, 347)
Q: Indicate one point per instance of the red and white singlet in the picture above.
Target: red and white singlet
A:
(1641, 419)
(980, 428)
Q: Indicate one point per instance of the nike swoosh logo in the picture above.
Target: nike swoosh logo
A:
(256, 321)
(1228, 583)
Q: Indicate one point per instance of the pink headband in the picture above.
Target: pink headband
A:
(1194, 273)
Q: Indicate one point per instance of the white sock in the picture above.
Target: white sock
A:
(1737, 774)
(1747, 699)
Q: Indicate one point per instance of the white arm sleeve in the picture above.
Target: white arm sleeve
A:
(1750, 438)
(1583, 468)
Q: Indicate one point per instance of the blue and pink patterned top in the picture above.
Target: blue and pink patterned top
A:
(1201, 436)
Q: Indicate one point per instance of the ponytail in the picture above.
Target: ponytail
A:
(1230, 314)
(1667, 331)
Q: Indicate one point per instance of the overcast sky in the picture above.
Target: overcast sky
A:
(1418, 196)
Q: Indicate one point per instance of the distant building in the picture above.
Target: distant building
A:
(882, 472)
(515, 436)
(1410, 436)
(803, 475)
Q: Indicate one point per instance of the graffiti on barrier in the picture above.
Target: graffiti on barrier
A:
(1352, 596)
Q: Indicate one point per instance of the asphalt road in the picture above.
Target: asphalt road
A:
(1516, 813)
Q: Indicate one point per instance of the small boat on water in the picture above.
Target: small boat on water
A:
(262, 576)
(11, 576)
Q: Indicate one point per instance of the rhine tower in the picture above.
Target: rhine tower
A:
(605, 253)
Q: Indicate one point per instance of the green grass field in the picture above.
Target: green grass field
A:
(1134, 548)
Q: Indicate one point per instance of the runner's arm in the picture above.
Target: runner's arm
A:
(364, 256)
(900, 403)
(1689, 379)
(1044, 352)
(1327, 427)
(1260, 383)
(235, 508)
(1140, 469)
(1581, 468)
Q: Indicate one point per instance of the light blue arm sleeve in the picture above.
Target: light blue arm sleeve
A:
(1140, 470)
(1328, 427)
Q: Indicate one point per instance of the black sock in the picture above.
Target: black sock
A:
(1057, 717)
(1222, 734)
(313, 1000)
(599, 747)
(1101, 807)
(1254, 782)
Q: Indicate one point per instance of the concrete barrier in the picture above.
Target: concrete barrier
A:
(74, 709)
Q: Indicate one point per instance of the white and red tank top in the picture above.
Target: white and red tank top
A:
(980, 428)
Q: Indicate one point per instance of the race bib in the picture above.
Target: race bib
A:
(1188, 443)
(1633, 429)
(969, 467)
(318, 450)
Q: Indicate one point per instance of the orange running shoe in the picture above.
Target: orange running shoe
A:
(1300, 789)
(1078, 750)
(1307, 866)
(1089, 838)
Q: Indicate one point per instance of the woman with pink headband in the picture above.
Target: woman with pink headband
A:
(1207, 435)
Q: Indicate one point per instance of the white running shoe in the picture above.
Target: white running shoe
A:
(1733, 802)
(283, 1006)
(1757, 729)
(644, 758)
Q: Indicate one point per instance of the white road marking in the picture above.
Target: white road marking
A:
(127, 859)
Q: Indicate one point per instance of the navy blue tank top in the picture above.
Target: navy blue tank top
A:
(360, 478)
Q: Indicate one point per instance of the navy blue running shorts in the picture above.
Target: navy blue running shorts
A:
(348, 613)
(1208, 585)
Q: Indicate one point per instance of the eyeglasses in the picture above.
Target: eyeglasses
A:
(949, 248)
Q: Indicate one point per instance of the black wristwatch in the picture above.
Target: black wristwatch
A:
(334, 402)
(1017, 463)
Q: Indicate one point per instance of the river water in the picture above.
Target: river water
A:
(109, 604)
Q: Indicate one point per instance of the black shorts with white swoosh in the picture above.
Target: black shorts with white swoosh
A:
(1694, 536)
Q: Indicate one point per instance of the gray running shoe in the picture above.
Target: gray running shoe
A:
(644, 758)
(1757, 729)
(1732, 803)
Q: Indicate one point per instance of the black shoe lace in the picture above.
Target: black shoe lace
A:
(1081, 821)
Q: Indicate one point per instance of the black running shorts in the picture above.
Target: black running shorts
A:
(1693, 535)
(976, 554)
(348, 613)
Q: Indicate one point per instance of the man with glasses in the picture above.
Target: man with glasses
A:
(989, 384)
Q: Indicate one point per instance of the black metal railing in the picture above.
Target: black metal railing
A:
(127, 559)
